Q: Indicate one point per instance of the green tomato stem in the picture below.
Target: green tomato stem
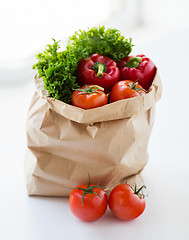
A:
(133, 86)
(90, 189)
(138, 191)
(89, 90)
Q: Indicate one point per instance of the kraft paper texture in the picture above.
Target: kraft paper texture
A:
(66, 143)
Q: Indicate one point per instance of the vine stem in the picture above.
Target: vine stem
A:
(90, 190)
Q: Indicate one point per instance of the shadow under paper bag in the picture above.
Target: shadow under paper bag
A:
(66, 143)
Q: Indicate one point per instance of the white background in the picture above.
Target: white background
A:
(167, 172)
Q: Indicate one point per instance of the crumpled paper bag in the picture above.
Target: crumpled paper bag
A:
(66, 143)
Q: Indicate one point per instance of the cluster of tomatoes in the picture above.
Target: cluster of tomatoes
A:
(104, 81)
(89, 202)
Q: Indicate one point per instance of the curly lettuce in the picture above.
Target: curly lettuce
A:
(59, 68)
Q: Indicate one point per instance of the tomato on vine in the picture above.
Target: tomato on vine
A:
(89, 96)
(126, 89)
(88, 202)
(127, 203)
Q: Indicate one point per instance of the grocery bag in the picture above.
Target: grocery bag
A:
(65, 143)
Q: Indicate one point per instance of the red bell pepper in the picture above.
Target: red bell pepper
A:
(98, 70)
(139, 67)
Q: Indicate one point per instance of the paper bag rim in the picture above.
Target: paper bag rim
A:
(118, 110)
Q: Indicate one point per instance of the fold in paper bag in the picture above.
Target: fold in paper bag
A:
(66, 143)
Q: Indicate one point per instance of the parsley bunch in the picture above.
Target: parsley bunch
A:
(58, 68)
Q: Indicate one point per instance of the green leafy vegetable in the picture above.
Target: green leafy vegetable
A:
(58, 68)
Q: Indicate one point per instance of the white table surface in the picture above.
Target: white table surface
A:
(166, 174)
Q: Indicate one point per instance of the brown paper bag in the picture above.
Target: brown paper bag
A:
(66, 143)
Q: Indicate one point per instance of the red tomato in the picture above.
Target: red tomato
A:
(89, 96)
(126, 203)
(88, 202)
(125, 89)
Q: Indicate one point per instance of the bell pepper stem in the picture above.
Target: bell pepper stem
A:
(100, 68)
(133, 62)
